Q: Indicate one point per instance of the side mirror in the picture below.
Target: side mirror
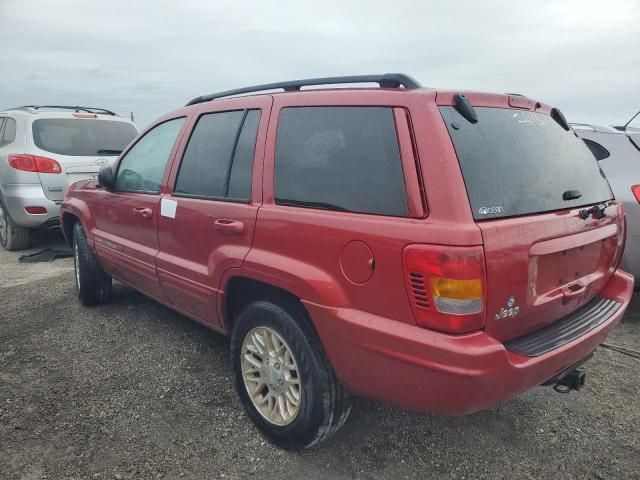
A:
(106, 178)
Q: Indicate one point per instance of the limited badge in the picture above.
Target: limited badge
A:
(509, 310)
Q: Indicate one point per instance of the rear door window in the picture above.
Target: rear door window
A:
(142, 167)
(82, 137)
(520, 162)
(218, 160)
(242, 166)
(340, 158)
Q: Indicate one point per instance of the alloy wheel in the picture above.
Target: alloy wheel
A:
(270, 375)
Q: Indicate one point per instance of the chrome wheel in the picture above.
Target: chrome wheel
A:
(76, 261)
(270, 376)
(3, 224)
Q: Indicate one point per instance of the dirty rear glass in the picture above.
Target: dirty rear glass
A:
(519, 162)
(82, 137)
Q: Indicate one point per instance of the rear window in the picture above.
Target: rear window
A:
(340, 158)
(82, 137)
(9, 133)
(518, 162)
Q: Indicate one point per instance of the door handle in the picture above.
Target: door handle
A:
(229, 227)
(142, 212)
(572, 291)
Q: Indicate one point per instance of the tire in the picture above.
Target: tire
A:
(93, 284)
(12, 236)
(323, 404)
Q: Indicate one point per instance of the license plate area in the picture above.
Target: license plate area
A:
(572, 267)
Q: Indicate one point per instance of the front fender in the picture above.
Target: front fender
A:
(78, 208)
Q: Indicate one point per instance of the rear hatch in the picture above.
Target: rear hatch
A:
(80, 144)
(528, 179)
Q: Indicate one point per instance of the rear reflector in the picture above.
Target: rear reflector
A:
(35, 210)
(33, 163)
(451, 279)
(635, 189)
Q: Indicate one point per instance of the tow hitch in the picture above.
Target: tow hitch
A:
(572, 381)
(570, 378)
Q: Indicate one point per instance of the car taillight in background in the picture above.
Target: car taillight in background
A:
(635, 189)
(446, 286)
(33, 163)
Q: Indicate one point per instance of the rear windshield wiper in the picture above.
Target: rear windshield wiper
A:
(303, 203)
(106, 151)
(597, 211)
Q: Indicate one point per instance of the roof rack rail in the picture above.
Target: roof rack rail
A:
(387, 80)
(68, 107)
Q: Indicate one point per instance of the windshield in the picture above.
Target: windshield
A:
(82, 137)
(520, 162)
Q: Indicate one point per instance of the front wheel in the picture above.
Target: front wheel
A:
(93, 284)
(283, 377)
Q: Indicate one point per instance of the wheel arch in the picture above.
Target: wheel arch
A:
(240, 290)
(74, 210)
(67, 222)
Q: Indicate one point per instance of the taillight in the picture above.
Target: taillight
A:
(47, 165)
(446, 286)
(635, 189)
(33, 163)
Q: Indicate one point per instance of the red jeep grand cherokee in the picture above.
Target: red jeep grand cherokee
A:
(437, 251)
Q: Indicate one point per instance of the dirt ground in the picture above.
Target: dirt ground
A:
(134, 390)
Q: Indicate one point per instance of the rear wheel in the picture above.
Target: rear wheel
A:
(93, 284)
(12, 236)
(283, 377)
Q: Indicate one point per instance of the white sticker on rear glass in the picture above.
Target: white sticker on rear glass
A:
(490, 210)
(168, 208)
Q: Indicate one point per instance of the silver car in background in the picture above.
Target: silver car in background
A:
(618, 153)
(43, 150)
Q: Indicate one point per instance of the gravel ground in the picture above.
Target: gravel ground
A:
(134, 390)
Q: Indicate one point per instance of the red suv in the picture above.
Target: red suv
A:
(430, 249)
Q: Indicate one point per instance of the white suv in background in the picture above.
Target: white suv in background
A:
(43, 150)
(617, 150)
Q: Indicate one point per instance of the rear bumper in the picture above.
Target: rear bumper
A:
(18, 196)
(418, 369)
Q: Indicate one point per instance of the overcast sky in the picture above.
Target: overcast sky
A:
(151, 57)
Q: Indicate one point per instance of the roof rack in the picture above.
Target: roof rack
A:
(387, 80)
(593, 127)
(67, 107)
